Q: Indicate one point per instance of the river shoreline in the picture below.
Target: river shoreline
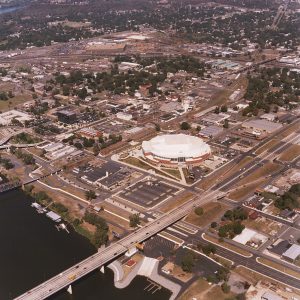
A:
(33, 250)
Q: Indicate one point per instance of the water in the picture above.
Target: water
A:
(32, 250)
(4, 10)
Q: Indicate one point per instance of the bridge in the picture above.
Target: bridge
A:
(104, 256)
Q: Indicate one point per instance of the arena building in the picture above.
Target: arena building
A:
(176, 149)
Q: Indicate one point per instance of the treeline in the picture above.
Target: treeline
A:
(290, 199)
(270, 88)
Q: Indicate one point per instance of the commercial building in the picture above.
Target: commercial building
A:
(261, 126)
(7, 117)
(66, 116)
(292, 253)
(176, 149)
(89, 133)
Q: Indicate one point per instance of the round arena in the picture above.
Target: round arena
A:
(176, 149)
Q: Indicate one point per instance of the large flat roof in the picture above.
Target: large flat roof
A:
(262, 125)
(176, 145)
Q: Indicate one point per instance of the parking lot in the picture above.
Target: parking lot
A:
(148, 193)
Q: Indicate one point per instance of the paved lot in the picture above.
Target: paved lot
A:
(148, 193)
(158, 246)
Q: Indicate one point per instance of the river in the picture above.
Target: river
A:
(4, 10)
(32, 250)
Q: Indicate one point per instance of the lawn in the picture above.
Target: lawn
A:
(243, 191)
(177, 201)
(211, 211)
(13, 102)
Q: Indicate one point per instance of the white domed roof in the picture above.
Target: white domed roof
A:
(176, 145)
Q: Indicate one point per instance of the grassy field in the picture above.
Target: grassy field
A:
(242, 192)
(17, 100)
(267, 146)
(227, 245)
(290, 154)
(137, 163)
(211, 210)
(177, 201)
(173, 172)
(279, 267)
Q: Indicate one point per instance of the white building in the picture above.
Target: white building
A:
(176, 149)
(124, 116)
(7, 117)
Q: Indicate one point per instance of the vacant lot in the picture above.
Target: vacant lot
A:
(290, 154)
(211, 211)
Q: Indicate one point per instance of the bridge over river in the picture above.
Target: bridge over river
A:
(106, 255)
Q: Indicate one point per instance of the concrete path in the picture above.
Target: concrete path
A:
(116, 267)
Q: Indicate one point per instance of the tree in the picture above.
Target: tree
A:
(225, 288)
(226, 124)
(187, 262)
(134, 220)
(185, 126)
(100, 237)
(208, 249)
(199, 211)
(224, 108)
(217, 110)
(213, 224)
(90, 195)
(96, 149)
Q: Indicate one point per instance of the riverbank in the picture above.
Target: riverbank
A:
(33, 250)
